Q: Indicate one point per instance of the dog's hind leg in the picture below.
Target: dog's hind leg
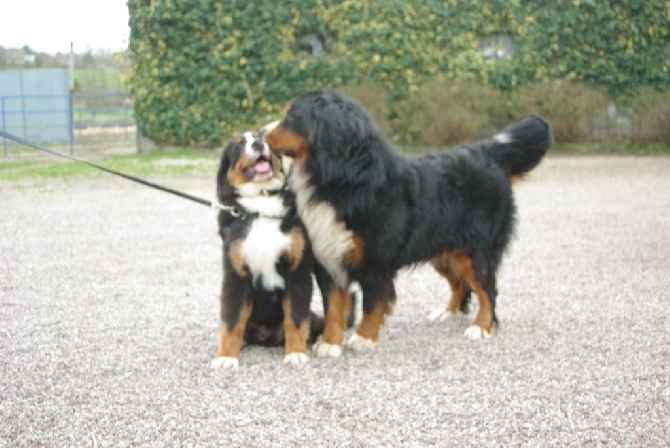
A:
(452, 266)
(466, 274)
(378, 299)
(481, 275)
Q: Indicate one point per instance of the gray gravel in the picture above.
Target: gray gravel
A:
(109, 318)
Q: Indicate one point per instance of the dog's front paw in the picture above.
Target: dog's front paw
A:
(325, 350)
(225, 363)
(441, 315)
(358, 343)
(476, 333)
(296, 359)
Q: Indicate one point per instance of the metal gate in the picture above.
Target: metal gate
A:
(36, 105)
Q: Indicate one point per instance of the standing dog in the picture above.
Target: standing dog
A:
(369, 210)
(267, 285)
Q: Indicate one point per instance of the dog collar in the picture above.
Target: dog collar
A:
(243, 215)
(264, 192)
(238, 212)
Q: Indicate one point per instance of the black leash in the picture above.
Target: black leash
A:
(213, 204)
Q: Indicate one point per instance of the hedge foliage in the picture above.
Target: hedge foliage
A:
(205, 69)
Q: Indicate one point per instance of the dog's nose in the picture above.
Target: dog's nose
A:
(258, 145)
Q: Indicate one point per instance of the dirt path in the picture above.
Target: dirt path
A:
(108, 321)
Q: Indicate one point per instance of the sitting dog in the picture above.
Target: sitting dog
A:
(267, 284)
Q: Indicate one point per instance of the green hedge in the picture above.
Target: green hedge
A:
(444, 112)
(204, 69)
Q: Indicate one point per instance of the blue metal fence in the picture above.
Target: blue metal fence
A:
(75, 122)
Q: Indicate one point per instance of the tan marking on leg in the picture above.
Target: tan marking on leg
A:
(372, 322)
(339, 306)
(297, 247)
(296, 336)
(453, 266)
(237, 259)
(484, 318)
(456, 267)
(355, 255)
(230, 340)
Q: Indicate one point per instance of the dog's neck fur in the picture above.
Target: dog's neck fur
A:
(254, 199)
(330, 238)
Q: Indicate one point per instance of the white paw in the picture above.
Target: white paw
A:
(358, 343)
(325, 350)
(475, 333)
(441, 315)
(296, 359)
(225, 363)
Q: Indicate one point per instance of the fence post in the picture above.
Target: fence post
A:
(4, 125)
(70, 119)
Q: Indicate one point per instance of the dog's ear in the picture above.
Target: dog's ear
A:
(342, 144)
(229, 152)
(224, 190)
(347, 153)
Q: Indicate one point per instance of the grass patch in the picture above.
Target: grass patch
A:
(158, 163)
(92, 77)
(15, 164)
(184, 162)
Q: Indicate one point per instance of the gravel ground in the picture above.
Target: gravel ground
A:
(109, 319)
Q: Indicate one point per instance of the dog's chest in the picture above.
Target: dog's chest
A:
(262, 248)
(265, 243)
(330, 238)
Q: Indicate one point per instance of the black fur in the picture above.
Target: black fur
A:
(412, 209)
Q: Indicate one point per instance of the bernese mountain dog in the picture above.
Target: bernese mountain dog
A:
(370, 210)
(267, 284)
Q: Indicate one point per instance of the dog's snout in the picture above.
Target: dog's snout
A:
(258, 145)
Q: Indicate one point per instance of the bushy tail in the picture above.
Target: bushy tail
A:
(519, 147)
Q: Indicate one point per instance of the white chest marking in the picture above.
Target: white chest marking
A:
(330, 238)
(262, 248)
(270, 206)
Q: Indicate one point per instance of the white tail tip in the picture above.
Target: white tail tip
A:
(503, 139)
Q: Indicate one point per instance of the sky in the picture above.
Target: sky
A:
(50, 25)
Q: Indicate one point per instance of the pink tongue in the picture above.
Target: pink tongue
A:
(262, 166)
